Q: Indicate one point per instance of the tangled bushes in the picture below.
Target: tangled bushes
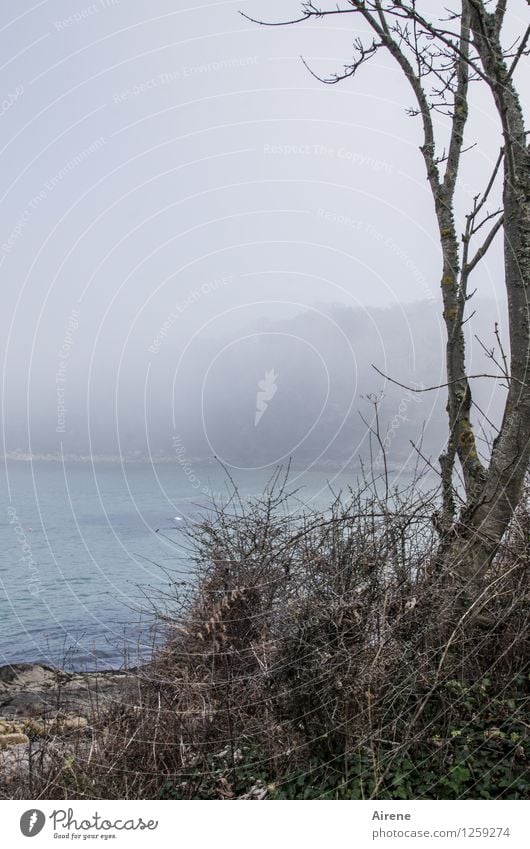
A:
(322, 656)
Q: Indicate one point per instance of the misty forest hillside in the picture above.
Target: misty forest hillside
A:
(200, 391)
(323, 360)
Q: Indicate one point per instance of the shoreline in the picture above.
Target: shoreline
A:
(35, 690)
(324, 466)
(48, 713)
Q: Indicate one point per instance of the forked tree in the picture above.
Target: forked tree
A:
(441, 52)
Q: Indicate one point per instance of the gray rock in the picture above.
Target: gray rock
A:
(33, 690)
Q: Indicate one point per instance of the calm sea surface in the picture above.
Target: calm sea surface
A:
(80, 556)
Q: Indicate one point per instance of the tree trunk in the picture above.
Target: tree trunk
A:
(486, 518)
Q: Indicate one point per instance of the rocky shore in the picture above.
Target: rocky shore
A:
(40, 703)
(48, 715)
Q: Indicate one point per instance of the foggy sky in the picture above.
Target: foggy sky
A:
(178, 195)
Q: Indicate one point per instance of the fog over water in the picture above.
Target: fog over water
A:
(187, 212)
(199, 396)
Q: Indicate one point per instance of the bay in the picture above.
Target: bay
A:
(84, 548)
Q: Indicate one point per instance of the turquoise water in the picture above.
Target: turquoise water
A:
(81, 558)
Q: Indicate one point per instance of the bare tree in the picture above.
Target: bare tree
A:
(440, 53)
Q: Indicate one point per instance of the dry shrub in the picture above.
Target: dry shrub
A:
(318, 644)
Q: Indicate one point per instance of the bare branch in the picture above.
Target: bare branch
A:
(365, 53)
(500, 11)
(485, 417)
(501, 349)
(488, 217)
(491, 182)
(490, 353)
(460, 108)
(380, 27)
(520, 52)
(485, 245)
(446, 37)
(441, 385)
(310, 11)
